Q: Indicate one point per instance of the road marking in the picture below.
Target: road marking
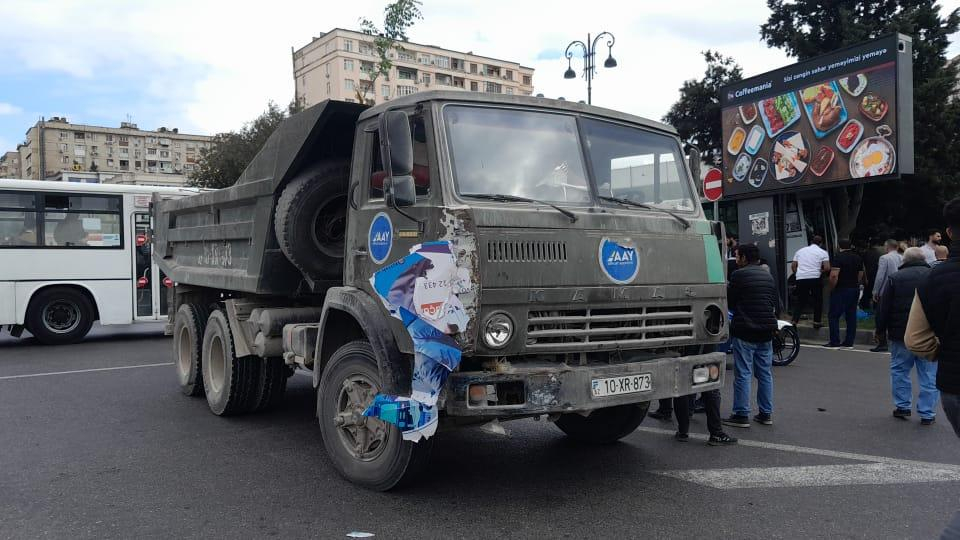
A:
(822, 348)
(81, 371)
(879, 470)
(814, 476)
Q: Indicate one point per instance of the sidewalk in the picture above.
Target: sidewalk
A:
(810, 336)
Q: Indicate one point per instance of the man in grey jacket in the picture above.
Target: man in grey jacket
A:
(888, 265)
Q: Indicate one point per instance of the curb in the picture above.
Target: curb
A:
(811, 336)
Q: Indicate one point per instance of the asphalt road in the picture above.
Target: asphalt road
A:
(121, 453)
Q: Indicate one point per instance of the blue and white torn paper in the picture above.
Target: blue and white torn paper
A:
(421, 291)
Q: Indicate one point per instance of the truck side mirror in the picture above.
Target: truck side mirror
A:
(396, 143)
(399, 191)
(693, 157)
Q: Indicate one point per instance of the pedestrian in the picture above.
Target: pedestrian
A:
(902, 247)
(930, 248)
(932, 328)
(943, 253)
(888, 264)
(892, 318)
(846, 275)
(809, 265)
(752, 296)
(711, 402)
(732, 242)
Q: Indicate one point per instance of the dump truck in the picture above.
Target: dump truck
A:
(449, 259)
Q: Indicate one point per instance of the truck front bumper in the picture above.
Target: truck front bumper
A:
(561, 388)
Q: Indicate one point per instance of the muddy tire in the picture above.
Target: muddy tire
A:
(59, 316)
(188, 328)
(310, 220)
(603, 426)
(365, 451)
(271, 384)
(228, 381)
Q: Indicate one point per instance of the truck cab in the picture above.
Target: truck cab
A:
(503, 257)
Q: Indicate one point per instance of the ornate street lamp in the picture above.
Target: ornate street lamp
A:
(589, 59)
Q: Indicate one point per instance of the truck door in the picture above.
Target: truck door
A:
(378, 234)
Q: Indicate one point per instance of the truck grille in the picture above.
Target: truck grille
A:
(526, 251)
(609, 328)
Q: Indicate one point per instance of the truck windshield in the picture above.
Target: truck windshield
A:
(518, 153)
(637, 165)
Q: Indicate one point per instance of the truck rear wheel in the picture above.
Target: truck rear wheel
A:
(603, 426)
(366, 451)
(310, 220)
(59, 316)
(188, 330)
(228, 381)
(271, 383)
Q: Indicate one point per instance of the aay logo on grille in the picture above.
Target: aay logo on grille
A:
(619, 260)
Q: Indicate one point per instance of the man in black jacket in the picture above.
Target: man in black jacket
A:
(933, 330)
(892, 315)
(752, 296)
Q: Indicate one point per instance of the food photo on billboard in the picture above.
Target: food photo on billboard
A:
(840, 118)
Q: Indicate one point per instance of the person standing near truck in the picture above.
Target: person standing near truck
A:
(752, 296)
(846, 275)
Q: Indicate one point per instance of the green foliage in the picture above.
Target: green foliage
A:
(398, 17)
(807, 28)
(222, 163)
(696, 115)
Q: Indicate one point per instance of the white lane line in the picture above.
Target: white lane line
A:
(814, 476)
(820, 452)
(28, 375)
(822, 348)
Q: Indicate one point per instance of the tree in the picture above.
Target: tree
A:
(807, 28)
(222, 163)
(398, 17)
(696, 115)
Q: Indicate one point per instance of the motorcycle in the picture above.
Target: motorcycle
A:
(786, 343)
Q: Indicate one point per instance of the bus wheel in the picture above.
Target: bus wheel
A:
(603, 426)
(59, 315)
(364, 450)
(228, 381)
(188, 327)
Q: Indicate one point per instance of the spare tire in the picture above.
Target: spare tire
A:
(311, 220)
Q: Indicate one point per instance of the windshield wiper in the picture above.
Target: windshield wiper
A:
(513, 198)
(628, 202)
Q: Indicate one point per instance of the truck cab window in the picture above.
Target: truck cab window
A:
(421, 161)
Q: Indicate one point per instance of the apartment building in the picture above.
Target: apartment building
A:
(10, 165)
(337, 64)
(55, 146)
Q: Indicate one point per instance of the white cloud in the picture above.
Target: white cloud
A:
(7, 108)
(212, 65)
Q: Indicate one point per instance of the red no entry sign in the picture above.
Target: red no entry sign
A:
(713, 184)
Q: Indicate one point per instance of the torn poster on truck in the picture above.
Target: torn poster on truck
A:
(421, 291)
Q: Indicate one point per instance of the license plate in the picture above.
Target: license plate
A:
(628, 384)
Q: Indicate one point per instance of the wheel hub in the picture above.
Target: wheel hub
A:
(362, 436)
(61, 316)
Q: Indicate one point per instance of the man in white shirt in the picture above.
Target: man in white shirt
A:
(809, 265)
(888, 264)
(930, 248)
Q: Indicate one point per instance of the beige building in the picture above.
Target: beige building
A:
(337, 64)
(55, 147)
(10, 165)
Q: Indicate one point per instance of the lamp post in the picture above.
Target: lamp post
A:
(589, 59)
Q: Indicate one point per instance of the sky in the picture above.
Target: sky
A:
(209, 66)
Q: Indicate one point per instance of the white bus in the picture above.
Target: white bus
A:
(74, 253)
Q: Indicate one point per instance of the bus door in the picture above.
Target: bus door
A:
(150, 284)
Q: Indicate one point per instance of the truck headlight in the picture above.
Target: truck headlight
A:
(701, 375)
(498, 330)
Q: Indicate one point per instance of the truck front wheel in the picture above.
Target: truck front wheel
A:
(364, 450)
(603, 426)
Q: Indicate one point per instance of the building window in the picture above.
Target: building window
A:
(164, 154)
(347, 65)
(65, 160)
(425, 59)
(109, 137)
(137, 165)
(508, 74)
(124, 165)
(509, 90)
(63, 135)
(425, 79)
(406, 74)
(348, 45)
(457, 64)
(473, 68)
(124, 152)
(109, 163)
(386, 90)
(326, 69)
(442, 61)
(78, 135)
(63, 148)
(406, 90)
(473, 86)
(79, 150)
(367, 49)
(494, 88)
(151, 140)
(93, 150)
(151, 151)
(404, 56)
(526, 80)
(348, 85)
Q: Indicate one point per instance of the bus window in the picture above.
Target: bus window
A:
(18, 219)
(81, 221)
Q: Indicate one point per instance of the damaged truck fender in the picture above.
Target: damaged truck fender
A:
(350, 314)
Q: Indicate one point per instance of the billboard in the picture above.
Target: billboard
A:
(839, 118)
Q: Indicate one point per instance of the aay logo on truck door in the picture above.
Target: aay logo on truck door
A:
(619, 260)
(380, 238)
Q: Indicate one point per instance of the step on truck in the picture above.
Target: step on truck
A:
(449, 259)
